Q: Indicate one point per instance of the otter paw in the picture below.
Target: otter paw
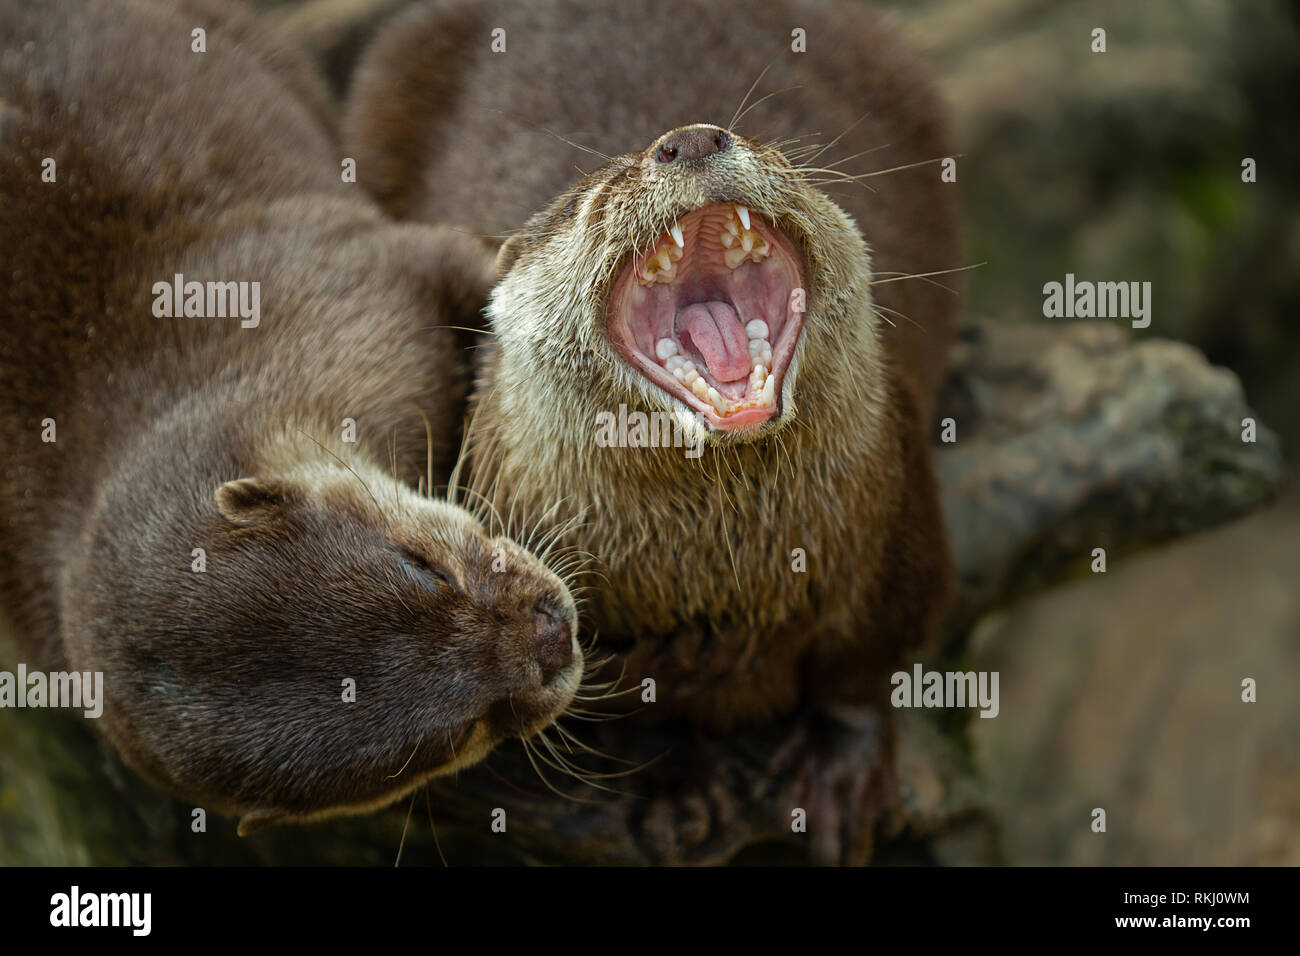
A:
(692, 828)
(839, 769)
(696, 812)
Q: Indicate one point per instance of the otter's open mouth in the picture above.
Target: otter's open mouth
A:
(709, 314)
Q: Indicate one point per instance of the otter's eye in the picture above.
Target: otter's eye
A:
(421, 572)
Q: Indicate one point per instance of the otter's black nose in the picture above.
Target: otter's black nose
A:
(692, 142)
(554, 634)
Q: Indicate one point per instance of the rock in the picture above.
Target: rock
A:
(1123, 691)
(1074, 437)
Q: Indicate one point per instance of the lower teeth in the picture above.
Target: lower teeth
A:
(762, 384)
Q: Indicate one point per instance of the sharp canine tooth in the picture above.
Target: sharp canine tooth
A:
(676, 232)
(718, 404)
(743, 213)
(756, 329)
(768, 395)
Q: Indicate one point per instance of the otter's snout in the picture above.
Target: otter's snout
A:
(692, 143)
(553, 631)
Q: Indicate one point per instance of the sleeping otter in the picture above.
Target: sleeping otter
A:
(223, 371)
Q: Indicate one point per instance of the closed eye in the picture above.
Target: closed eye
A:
(420, 572)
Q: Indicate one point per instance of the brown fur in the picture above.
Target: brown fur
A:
(176, 434)
(700, 591)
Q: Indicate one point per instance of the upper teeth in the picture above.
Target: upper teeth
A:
(740, 241)
(742, 244)
(661, 265)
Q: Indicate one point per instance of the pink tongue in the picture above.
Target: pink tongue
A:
(719, 335)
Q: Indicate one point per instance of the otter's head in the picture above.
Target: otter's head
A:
(338, 640)
(698, 275)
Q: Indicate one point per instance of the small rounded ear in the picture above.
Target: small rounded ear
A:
(507, 255)
(250, 501)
